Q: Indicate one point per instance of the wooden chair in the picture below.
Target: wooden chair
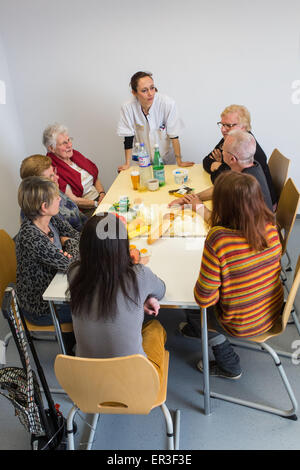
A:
(121, 385)
(286, 215)
(277, 329)
(279, 166)
(8, 270)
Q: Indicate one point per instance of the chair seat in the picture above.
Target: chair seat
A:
(65, 327)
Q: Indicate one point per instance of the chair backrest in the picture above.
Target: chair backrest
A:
(291, 297)
(8, 262)
(279, 166)
(120, 385)
(286, 211)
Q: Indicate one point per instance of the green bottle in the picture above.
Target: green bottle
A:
(158, 167)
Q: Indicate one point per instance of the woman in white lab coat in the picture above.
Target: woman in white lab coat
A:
(151, 118)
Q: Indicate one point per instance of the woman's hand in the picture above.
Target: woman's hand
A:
(151, 306)
(177, 202)
(123, 167)
(185, 164)
(65, 254)
(216, 155)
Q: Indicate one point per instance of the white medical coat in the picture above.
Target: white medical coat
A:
(161, 124)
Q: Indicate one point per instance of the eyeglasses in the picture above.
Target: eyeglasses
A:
(66, 142)
(228, 126)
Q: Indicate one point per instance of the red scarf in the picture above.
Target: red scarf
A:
(67, 174)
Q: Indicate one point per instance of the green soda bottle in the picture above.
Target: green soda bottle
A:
(158, 167)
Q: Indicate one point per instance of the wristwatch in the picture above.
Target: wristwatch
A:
(95, 203)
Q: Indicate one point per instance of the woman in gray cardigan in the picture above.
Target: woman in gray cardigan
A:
(109, 294)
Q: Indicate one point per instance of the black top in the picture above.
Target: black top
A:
(257, 172)
(259, 156)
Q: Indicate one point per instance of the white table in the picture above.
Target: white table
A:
(175, 260)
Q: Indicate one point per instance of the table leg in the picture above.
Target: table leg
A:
(204, 340)
(57, 327)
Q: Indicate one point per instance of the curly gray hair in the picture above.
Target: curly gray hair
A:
(51, 132)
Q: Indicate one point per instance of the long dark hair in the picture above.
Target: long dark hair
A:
(238, 204)
(105, 266)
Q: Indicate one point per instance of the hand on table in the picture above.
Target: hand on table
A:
(176, 202)
(185, 164)
(123, 167)
(193, 200)
(151, 306)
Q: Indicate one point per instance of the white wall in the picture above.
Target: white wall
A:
(12, 149)
(71, 61)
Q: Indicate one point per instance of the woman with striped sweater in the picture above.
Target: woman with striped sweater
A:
(239, 280)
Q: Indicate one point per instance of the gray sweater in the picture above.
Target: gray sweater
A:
(122, 335)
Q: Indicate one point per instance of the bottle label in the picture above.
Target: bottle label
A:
(144, 161)
(159, 173)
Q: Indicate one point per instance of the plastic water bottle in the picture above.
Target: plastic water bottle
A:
(145, 167)
(135, 152)
(158, 167)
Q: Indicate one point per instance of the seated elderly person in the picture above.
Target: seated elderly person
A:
(78, 176)
(41, 165)
(235, 117)
(238, 154)
(45, 244)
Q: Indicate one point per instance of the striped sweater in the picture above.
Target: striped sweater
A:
(245, 285)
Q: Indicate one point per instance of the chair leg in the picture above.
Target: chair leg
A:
(169, 424)
(7, 339)
(177, 430)
(70, 429)
(291, 414)
(205, 359)
(92, 432)
(288, 266)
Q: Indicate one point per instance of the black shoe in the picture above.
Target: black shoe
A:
(216, 371)
(187, 331)
(226, 358)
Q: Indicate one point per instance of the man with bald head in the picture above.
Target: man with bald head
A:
(238, 153)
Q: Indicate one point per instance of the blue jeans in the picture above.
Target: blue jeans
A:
(63, 312)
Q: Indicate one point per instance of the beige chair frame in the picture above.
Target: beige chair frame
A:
(279, 167)
(277, 329)
(120, 385)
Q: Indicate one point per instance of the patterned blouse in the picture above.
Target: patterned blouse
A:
(244, 284)
(38, 260)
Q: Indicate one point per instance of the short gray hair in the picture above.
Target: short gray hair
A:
(51, 133)
(33, 191)
(243, 145)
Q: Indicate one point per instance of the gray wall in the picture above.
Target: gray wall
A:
(71, 61)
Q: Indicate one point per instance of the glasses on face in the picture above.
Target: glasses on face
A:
(227, 126)
(66, 142)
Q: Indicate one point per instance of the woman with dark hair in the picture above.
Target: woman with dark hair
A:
(109, 293)
(239, 280)
(150, 118)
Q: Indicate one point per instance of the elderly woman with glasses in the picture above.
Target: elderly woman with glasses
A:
(235, 117)
(78, 176)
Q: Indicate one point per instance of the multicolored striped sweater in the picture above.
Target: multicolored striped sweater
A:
(245, 285)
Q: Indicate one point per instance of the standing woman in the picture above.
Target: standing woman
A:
(109, 294)
(151, 118)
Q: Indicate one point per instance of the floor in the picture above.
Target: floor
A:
(230, 426)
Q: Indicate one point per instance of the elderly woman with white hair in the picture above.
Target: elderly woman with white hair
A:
(232, 118)
(78, 176)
